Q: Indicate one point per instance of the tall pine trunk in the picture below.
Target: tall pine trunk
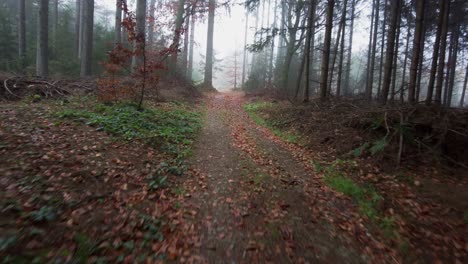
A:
(179, 21)
(453, 65)
(191, 45)
(326, 50)
(340, 67)
(405, 62)
(462, 99)
(369, 48)
(443, 46)
(435, 52)
(389, 55)
(186, 41)
(22, 34)
(42, 60)
(350, 49)
(382, 45)
(309, 46)
(81, 29)
(151, 22)
(87, 50)
(208, 78)
(244, 56)
(139, 47)
(118, 21)
(418, 38)
(371, 69)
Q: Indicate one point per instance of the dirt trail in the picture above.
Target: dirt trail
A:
(258, 203)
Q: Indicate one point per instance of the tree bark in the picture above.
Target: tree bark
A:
(350, 48)
(178, 29)
(326, 50)
(22, 34)
(186, 41)
(443, 46)
(77, 28)
(55, 27)
(371, 69)
(395, 61)
(382, 45)
(208, 78)
(272, 50)
(118, 22)
(369, 49)
(191, 45)
(405, 62)
(138, 46)
(453, 65)
(418, 34)
(87, 50)
(82, 26)
(421, 63)
(390, 51)
(462, 99)
(340, 68)
(151, 22)
(435, 52)
(42, 60)
(309, 52)
(244, 60)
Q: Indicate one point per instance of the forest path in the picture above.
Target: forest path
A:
(257, 203)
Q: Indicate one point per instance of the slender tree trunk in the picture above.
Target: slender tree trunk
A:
(395, 61)
(208, 79)
(192, 44)
(124, 31)
(87, 52)
(280, 52)
(443, 46)
(340, 69)
(55, 27)
(369, 50)
(244, 60)
(373, 52)
(42, 61)
(421, 64)
(418, 34)
(272, 50)
(453, 65)
(186, 41)
(462, 99)
(82, 26)
(137, 59)
(22, 34)
(335, 55)
(326, 50)
(382, 45)
(350, 48)
(309, 52)
(405, 62)
(390, 50)
(118, 21)
(300, 73)
(151, 22)
(77, 28)
(178, 29)
(435, 52)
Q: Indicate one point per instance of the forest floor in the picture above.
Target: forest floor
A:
(78, 186)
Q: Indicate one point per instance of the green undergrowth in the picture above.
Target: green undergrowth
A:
(254, 109)
(366, 197)
(170, 127)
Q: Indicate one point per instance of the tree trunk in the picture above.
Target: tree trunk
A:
(151, 22)
(421, 63)
(118, 22)
(462, 99)
(418, 34)
(435, 52)
(395, 61)
(390, 50)
(178, 29)
(335, 54)
(453, 65)
(124, 31)
(382, 45)
(443, 46)
(77, 28)
(82, 26)
(22, 34)
(186, 41)
(369, 49)
(272, 50)
(87, 49)
(55, 27)
(405, 62)
(309, 52)
(371, 69)
(340, 67)
(192, 43)
(208, 78)
(244, 60)
(138, 46)
(300, 73)
(350, 48)
(42, 60)
(326, 50)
